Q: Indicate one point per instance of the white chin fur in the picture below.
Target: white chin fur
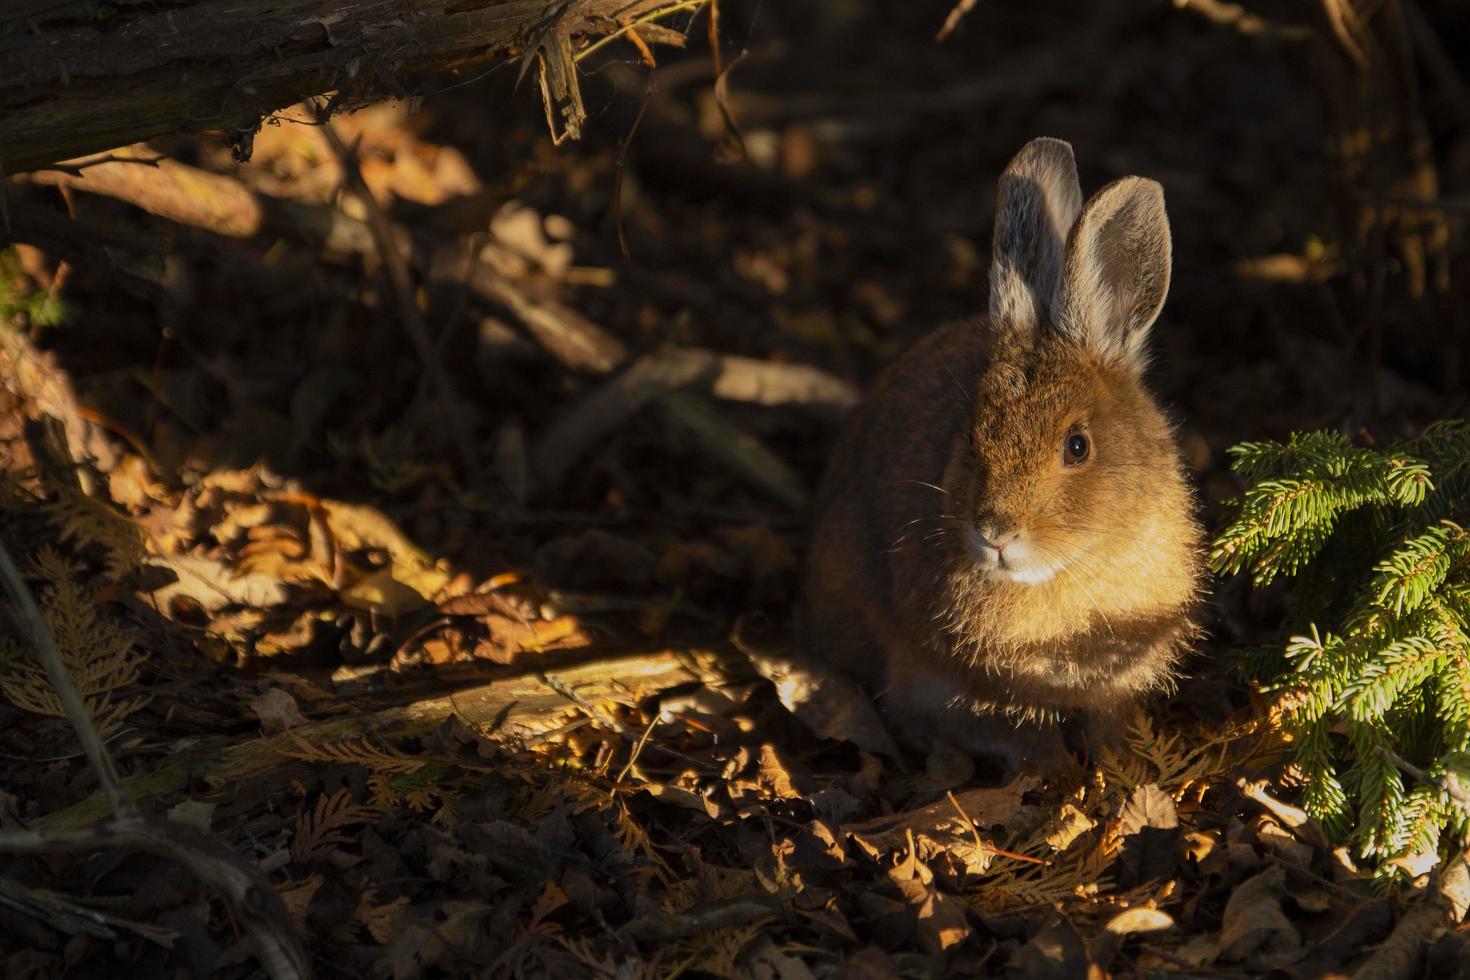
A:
(1030, 575)
(1017, 566)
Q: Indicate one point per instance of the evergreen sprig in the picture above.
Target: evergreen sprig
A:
(1375, 694)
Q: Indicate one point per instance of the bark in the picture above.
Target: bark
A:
(83, 76)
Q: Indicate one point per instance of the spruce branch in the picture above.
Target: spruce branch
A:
(1374, 539)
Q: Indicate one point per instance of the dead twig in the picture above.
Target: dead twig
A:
(726, 377)
(680, 925)
(956, 14)
(396, 272)
(1236, 17)
(255, 903)
(213, 202)
(741, 452)
(576, 342)
(517, 706)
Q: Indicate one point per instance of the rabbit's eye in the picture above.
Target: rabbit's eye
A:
(1075, 448)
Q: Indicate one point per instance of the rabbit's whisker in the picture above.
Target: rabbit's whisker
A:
(922, 483)
(1087, 528)
(1097, 606)
(904, 535)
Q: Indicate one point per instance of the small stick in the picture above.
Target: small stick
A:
(398, 279)
(637, 749)
(975, 831)
(34, 627)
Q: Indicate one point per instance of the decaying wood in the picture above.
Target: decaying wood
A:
(212, 202)
(576, 342)
(725, 376)
(83, 76)
(34, 374)
(734, 448)
(516, 707)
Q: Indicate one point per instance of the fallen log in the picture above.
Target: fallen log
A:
(517, 707)
(79, 77)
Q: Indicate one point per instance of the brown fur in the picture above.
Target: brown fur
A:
(961, 441)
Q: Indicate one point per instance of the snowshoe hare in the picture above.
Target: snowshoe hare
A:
(1005, 537)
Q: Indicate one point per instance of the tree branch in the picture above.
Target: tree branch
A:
(84, 76)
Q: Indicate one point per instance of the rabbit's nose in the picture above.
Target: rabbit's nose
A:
(997, 535)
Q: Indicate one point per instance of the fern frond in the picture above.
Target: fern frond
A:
(97, 651)
(351, 751)
(81, 520)
(322, 826)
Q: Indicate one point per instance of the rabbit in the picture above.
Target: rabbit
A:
(1006, 547)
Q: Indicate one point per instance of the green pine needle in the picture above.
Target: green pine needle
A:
(1377, 683)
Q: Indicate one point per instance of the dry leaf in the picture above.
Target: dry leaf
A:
(939, 827)
(212, 585)
(765, 962)
(831, 704)
(1148, 806)
(1138, 920)
(383, 592)
(510, 635)
(1254, 930)
(1070, 824)
(192, 813)
(942, 923)
(277, 711)
(1054, 953)
(379, 919)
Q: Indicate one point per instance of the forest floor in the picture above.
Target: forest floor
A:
(453, 592)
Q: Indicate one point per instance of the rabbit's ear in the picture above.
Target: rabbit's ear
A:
(1116, 271)
(1036, 203)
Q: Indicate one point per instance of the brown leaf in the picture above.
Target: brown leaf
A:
(774, 777)
(510, 636)
(940, 921)
(1140, 919)
(1054, 953)
(378, 920)
(277, 711)
(425, 937)
(765, 962)
(1148, 806)
(1069, 824)
(131, 484)
(888, 921)
(868, 963)
(1255, 931)
(818, 849)
(212, 584)
(831, 704)
(940, 826)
